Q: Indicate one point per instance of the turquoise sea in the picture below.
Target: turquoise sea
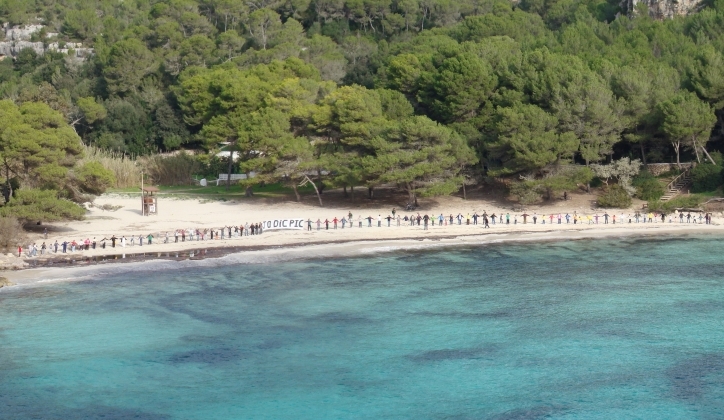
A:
(595, 329)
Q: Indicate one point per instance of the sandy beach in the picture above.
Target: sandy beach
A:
(290, 244)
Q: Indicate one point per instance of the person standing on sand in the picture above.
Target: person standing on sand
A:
(335, 220)
(485, 221)
(605, 218)
(535, 218)
(123, 241)
(426, 219)
(393, 212)
(525, 218)
(344, 222)
(150, 239)
(55, 246)
(399, 219)
(388, 220)
(559, 218)
(326, 224)
(318, 223)
(507, 218)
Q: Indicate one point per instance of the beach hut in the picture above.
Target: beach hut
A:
(149, 201)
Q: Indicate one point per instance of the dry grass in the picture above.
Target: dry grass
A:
(127, 169)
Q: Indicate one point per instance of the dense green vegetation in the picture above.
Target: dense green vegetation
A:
(425, 94)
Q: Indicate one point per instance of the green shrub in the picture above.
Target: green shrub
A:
(596, 182)
(647, 186)
(682, 201)
(11, 234)
(93, 178)
(706, 177)
(41, 205)
(614, 197)
(527, 192)
(175, 169)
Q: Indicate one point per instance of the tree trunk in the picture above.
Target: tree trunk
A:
(319, 196)
(345, 192)
(696, 151)
(296, 192)
(371, 192)
(708, 155)
(352, 190)
(643, 152)
(249, 192)
(676, 149)
(9, 188)
(465, 193)
(228, 171)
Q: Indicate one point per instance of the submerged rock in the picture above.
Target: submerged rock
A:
(5, 282)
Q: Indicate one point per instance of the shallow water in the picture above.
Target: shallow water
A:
(569, 330)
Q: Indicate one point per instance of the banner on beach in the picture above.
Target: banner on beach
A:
(281, 224)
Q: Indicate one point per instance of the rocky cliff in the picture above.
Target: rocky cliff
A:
(663, 9)
(19, 38)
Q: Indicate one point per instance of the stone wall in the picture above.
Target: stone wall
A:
(657, 169)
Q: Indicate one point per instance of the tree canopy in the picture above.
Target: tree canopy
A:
(370, 92)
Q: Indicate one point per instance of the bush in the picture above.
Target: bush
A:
(706, 177)
(614, 197)
(41, 205)
(11, 234)
(175, 169)
(647, 186)
(682, 201)
(526, 192)
(93, 178)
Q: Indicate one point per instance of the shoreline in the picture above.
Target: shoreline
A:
(78, 266)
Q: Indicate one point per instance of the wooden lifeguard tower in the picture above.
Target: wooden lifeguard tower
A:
(149, 201)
